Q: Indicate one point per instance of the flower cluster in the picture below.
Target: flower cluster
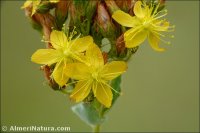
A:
(145, 24)
(75, 56)
(81, 60)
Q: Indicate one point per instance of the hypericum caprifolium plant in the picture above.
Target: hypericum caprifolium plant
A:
(88, 45)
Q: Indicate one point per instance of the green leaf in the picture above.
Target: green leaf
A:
(115, 83)
(88, 113)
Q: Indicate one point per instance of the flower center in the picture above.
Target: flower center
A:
(146, 23)
(66, 52)
(95, 76)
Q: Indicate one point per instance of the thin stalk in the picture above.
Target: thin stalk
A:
(96, 129)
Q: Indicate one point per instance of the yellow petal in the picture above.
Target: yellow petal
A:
(104, 94)
(113, 69)
(26, 4)
(58, 39)
(81, 44)
(54, 1)
(35, 5)
(81, 91)
(46, 56)
(154, 42)
(135, 38)
(138, 10)
(94, 87)
(59, 73)
(94, 56)
(123, 18)
(78, 71)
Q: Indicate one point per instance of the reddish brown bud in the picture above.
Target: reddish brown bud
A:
(61, 12)
(62, 7)
(105, 57)
(125, 5)
(112, 6)
(162, 2)
(103, 17)
(47, 21)
(120, 44)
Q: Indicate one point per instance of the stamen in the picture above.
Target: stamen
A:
(63, 28)
(72, 33)
(164, 41)
(156, 9)
(159, 34)
(172, 36)
(160, 16)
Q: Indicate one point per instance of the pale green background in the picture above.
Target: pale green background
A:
(160, 90)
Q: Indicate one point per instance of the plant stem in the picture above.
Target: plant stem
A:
(96, 129)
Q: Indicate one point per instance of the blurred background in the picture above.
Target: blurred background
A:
(160, 90)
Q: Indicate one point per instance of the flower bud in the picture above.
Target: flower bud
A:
(61, 12)
(81, 13)
(120, 45)
(47, 21)
(112, 6)
(125, 5)
(104, 21)
(105, 57)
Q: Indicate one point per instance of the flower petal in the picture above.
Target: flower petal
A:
(81, 91)
(26, 4)
(154, 42)
(58, 39)
(135, 38)
(35, 5)
(78, 71)
(59, 73)
(113, 69)
(94, 56)
(104, 94)
(53, 1)
(46, 56)
(81, 44)
(138, 10)
(123, 18)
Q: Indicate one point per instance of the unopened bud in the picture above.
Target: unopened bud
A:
(120, 45)
(81, 13)
(112, 6)
(125, 5)
(61, 12)
(104, 21)
(47, 21)
(105, 57)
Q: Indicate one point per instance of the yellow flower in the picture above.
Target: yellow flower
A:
(65, 51)
(95, 75)
(35, 4)
(145, 24)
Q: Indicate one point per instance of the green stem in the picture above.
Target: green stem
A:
(96, 129)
